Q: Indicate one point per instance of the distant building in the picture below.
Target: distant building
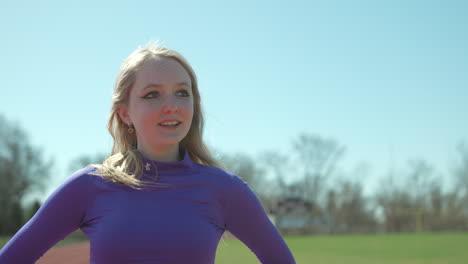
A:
(291, 215)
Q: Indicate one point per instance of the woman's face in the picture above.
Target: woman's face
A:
(162, 92)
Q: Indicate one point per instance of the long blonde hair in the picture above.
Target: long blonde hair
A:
(124, 165)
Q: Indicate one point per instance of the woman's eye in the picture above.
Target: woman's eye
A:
(184, 93)
(152, 94)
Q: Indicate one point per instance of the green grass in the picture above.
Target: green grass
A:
(3, 240)
(435, 248)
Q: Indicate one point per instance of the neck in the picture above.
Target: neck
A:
(164, 154)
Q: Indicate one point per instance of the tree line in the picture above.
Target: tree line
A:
(412, 200)
(23, 170)
(408, 200)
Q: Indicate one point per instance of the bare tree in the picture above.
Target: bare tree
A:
(22, 170)
(352, 211)
(393, 202)
(416, 204)
(245, 167)
(455, 203)
(277, 165)
(420, 178)
(318, 158)
(461, 176)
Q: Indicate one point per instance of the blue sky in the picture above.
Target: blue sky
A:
(387, 79)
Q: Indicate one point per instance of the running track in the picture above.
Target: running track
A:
(73, 254)
(77, 253)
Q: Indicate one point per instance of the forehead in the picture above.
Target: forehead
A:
(165, 71)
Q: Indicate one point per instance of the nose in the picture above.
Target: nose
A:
(170, 104)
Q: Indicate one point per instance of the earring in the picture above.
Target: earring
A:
(130, 129)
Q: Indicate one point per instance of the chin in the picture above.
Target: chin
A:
(168, 142)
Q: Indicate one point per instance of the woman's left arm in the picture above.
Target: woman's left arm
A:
(246, 218)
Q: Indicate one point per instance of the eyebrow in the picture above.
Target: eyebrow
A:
(153, 85)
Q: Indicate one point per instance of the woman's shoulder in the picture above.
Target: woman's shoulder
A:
(78, 181)
(92, 174)
(223, 175)
(85, 172)
(89, 178)
(83, 176)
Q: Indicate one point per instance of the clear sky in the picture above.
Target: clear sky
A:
(387, 79)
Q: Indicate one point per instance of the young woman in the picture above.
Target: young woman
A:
(160, 197)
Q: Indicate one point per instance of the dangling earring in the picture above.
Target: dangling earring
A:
(130, 129)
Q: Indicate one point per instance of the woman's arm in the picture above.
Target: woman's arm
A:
(246, 218)
(62, 213)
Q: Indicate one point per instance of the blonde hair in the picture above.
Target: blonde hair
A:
(124, 165)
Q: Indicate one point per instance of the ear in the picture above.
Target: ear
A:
(123, 114)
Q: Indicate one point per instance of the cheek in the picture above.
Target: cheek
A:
(145, 115)
(188, 109)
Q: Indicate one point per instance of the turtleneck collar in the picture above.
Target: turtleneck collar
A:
(155, 167)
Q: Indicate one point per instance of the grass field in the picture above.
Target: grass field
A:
(3, 240)
(426, 248)
(435, 248)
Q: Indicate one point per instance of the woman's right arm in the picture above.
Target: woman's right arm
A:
(62, 213)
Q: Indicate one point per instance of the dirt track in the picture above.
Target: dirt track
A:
(73, 254)
(78, 253)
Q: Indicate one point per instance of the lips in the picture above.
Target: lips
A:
(171, 123)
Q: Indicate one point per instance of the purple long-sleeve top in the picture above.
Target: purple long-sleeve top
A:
(176, 224)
